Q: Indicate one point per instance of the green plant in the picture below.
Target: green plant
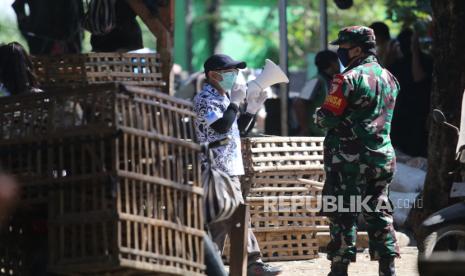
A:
(408, 12)
(9, 31)
(303, 28)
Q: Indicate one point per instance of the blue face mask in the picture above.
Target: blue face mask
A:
(229, 79)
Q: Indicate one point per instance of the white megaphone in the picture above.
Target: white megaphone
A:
(271, 74)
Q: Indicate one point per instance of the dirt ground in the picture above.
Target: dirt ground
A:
(405, 266)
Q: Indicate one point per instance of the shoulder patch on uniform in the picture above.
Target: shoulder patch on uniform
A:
(336, 101)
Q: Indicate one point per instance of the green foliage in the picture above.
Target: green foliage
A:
(148, 38)
(303, 28)
(9, 31)
(259, 34)
(408, 12)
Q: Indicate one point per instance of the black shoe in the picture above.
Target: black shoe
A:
(338, 269)
(387, 267)
(260, 268)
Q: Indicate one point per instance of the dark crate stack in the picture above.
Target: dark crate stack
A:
(116, 174)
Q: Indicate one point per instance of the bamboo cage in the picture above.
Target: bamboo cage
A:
(286, 176)
(96, 68)
(118, 170)
(278, 166)
(288, 246)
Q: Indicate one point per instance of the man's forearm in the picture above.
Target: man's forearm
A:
(246, 122)
(225, 123)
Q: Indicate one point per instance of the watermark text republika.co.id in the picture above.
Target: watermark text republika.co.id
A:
(340, 204)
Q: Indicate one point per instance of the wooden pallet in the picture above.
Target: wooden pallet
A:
(288, 246)
(285, 213)
(275, 154)
(283, 165)
(94, 68)
(121, 184)
(288, 169)
(284, 245)
(286, 177)
(284, 183)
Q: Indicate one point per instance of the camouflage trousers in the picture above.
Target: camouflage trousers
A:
(343, 225)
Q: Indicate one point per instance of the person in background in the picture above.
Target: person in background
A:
(359, 159)
(16, 71)
(50, 26)
(387, 48)
(126, 36)
(218, 117)
(191, 86)
(314, 93)
(414, 72)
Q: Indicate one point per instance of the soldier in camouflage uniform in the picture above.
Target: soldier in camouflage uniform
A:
(359, 158)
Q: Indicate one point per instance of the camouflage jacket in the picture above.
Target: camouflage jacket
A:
(357, 114)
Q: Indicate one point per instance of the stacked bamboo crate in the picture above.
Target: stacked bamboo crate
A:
(118, 173)
(286, 175)
(95, 68)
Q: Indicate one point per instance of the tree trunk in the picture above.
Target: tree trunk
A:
(447, 89)
(189, 45)
(214, 25)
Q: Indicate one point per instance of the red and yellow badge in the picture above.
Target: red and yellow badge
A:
(335, 101)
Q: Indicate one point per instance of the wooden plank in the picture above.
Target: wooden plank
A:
(278, 189)
(155, 256)
(163, 33)
(282, 139)
(285, 147)
(281, 199)
(160, 181)
(290, 258)
(289, 229)
(289, 158)
(238, 249)
(160, 137)
(162, 269)
(287, 168)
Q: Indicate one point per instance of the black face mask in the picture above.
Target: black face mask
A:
(343, 55)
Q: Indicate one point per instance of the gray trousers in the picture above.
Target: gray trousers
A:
(220, 229)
